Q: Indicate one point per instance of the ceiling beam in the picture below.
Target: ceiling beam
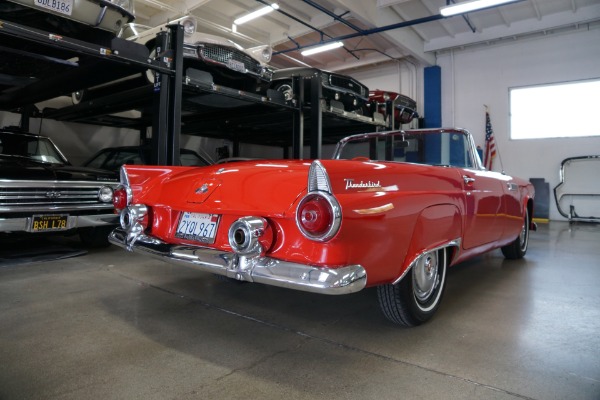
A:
(564, 19)
(405, 38)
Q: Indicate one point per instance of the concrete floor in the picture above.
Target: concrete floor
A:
(114, 325)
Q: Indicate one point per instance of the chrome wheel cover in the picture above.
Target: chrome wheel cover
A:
(425, 276)
(524, 235)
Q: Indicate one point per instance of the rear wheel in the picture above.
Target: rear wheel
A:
(417, 296)
(518, 248)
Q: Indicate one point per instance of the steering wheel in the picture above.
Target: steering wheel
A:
(360, 158)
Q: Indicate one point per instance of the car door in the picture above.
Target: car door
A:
(483, 193)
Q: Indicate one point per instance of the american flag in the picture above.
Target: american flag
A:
(490, 143)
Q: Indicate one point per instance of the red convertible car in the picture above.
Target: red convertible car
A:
(391, 209)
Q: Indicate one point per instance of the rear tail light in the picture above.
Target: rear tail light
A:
(121, 198)
(318, 216)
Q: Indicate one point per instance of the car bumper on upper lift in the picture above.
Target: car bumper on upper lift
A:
(343, 280)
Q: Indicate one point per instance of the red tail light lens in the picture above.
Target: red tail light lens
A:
(120, 198)
(318, 216)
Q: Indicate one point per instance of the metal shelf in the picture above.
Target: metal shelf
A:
(36, 66)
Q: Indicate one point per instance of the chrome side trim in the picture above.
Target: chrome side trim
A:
(41, 208)
(266, 270)
(451, 243)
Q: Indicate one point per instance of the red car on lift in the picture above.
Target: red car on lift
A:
(405, 108)
(391, 210)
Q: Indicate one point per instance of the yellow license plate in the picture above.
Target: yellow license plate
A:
(49, 223)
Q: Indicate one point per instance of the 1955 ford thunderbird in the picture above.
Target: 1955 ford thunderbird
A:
(391, 209)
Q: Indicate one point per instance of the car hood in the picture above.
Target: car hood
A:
(20, 168)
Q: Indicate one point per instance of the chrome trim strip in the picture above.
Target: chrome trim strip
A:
(56, 184)
(266, 270)
(451, 243)
(41, 208)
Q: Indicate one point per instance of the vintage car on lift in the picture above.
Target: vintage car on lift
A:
(42, 193)
(112, 158)
(405, 108)
(208, 60)
(340, 92)
(95, 21)
(223, 61)
(391, 210)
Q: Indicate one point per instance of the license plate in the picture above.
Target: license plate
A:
(236, 65)
(61, 6)
(198, 227)
(48, 223)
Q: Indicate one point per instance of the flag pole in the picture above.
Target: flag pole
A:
(497, 149)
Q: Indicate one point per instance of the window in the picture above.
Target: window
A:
(558, 110)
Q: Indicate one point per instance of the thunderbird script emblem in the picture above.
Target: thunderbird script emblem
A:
(361, 185)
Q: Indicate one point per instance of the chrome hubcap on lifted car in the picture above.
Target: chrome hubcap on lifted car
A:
(425, 276)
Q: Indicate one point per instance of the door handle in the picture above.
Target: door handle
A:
(468, 180)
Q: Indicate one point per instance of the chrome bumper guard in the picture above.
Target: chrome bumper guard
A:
(334, 281)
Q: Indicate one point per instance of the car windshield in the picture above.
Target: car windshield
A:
(431, 147)
(32, 147)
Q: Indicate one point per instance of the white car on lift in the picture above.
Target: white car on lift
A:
(229, 63)
(208, 59)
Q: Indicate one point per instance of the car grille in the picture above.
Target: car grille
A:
(347, 84)
(14, 199)
(222, 55)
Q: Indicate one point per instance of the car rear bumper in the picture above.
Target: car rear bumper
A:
(334, 281)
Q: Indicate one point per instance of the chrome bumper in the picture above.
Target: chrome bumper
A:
(344, 280)
(74, 221)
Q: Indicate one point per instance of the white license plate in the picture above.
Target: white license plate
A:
(236, 65)
(61, 6)
(198, 227)
(49, 223)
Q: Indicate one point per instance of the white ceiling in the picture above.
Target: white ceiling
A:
(297, 20)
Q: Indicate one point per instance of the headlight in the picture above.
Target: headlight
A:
(266, 54)
(105, 194)
(189, 25)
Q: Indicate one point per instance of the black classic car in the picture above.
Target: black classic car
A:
(41, 192)
(112, 158)
(340, 92)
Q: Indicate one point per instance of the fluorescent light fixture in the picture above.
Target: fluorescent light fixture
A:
(319, 49)
(255, 14)
(474, 5)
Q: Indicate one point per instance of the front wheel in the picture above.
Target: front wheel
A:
(518, 247)
(417, 296)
